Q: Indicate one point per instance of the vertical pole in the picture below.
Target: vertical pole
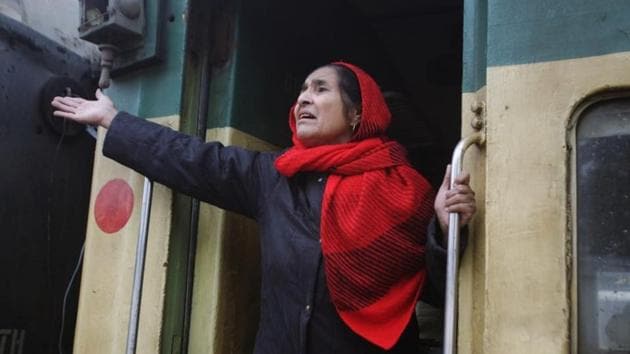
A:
(452, 267)
(201, 125)
(138, 275)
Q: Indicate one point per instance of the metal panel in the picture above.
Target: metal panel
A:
(44, 193)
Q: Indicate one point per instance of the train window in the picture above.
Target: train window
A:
(603, 227)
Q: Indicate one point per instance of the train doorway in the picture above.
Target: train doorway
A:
(263, 50)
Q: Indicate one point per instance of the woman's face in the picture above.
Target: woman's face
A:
(319, 113)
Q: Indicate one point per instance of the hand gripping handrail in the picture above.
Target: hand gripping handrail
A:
(452, 267)
(138, 274)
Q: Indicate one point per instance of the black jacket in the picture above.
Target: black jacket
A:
(296, 314)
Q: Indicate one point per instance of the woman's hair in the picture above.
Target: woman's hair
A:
(349, 87)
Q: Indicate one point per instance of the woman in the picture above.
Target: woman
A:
(343, 217)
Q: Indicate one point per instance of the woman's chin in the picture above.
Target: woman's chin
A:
(306, 136)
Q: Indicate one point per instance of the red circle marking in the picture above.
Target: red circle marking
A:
(113, 205)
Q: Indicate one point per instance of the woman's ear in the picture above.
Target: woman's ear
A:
(355, 116)
(355, 119)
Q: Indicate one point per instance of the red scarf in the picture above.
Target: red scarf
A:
(375, 212)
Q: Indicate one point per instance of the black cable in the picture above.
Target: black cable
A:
(76, 268)
(65, 297)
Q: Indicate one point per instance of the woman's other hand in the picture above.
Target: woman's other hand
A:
(98, 112)
(460, 199)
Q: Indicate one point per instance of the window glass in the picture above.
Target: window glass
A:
(603, 227)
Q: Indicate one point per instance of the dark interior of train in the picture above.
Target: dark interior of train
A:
(413, 49)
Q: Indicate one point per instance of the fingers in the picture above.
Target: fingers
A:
(454, 197)
(459, 189)
(63, 114)
(68, 102)
(466, 211)
(459, 192)
(64, 105)
(460, 199)
(463, 178)
(99, 94)
(67, 107)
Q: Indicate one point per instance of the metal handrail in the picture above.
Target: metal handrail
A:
(138, 275)
(452, 267)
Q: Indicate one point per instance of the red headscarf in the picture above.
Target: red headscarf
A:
(375, 212)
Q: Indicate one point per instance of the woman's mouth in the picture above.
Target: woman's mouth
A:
(306, 115)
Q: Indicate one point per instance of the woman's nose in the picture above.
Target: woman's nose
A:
(304, 98)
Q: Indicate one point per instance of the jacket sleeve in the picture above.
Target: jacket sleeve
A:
(436, 258)
(228, 177)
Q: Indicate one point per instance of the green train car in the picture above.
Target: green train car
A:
(546, 84)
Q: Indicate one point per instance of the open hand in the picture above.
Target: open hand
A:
(98, 112)
(460, 199)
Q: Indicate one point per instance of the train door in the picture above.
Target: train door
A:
(541, 276)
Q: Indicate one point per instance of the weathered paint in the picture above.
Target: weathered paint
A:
(523, 271)
(539, 60)
(227, 278)
(474, 45)
(544, 30)
(156, 90)
(498, 33)
(46, 18)
(108, 266)
(473, 263)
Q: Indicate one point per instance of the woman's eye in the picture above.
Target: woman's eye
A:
(322, 89)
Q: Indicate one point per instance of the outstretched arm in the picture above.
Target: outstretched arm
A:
(228, 177)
